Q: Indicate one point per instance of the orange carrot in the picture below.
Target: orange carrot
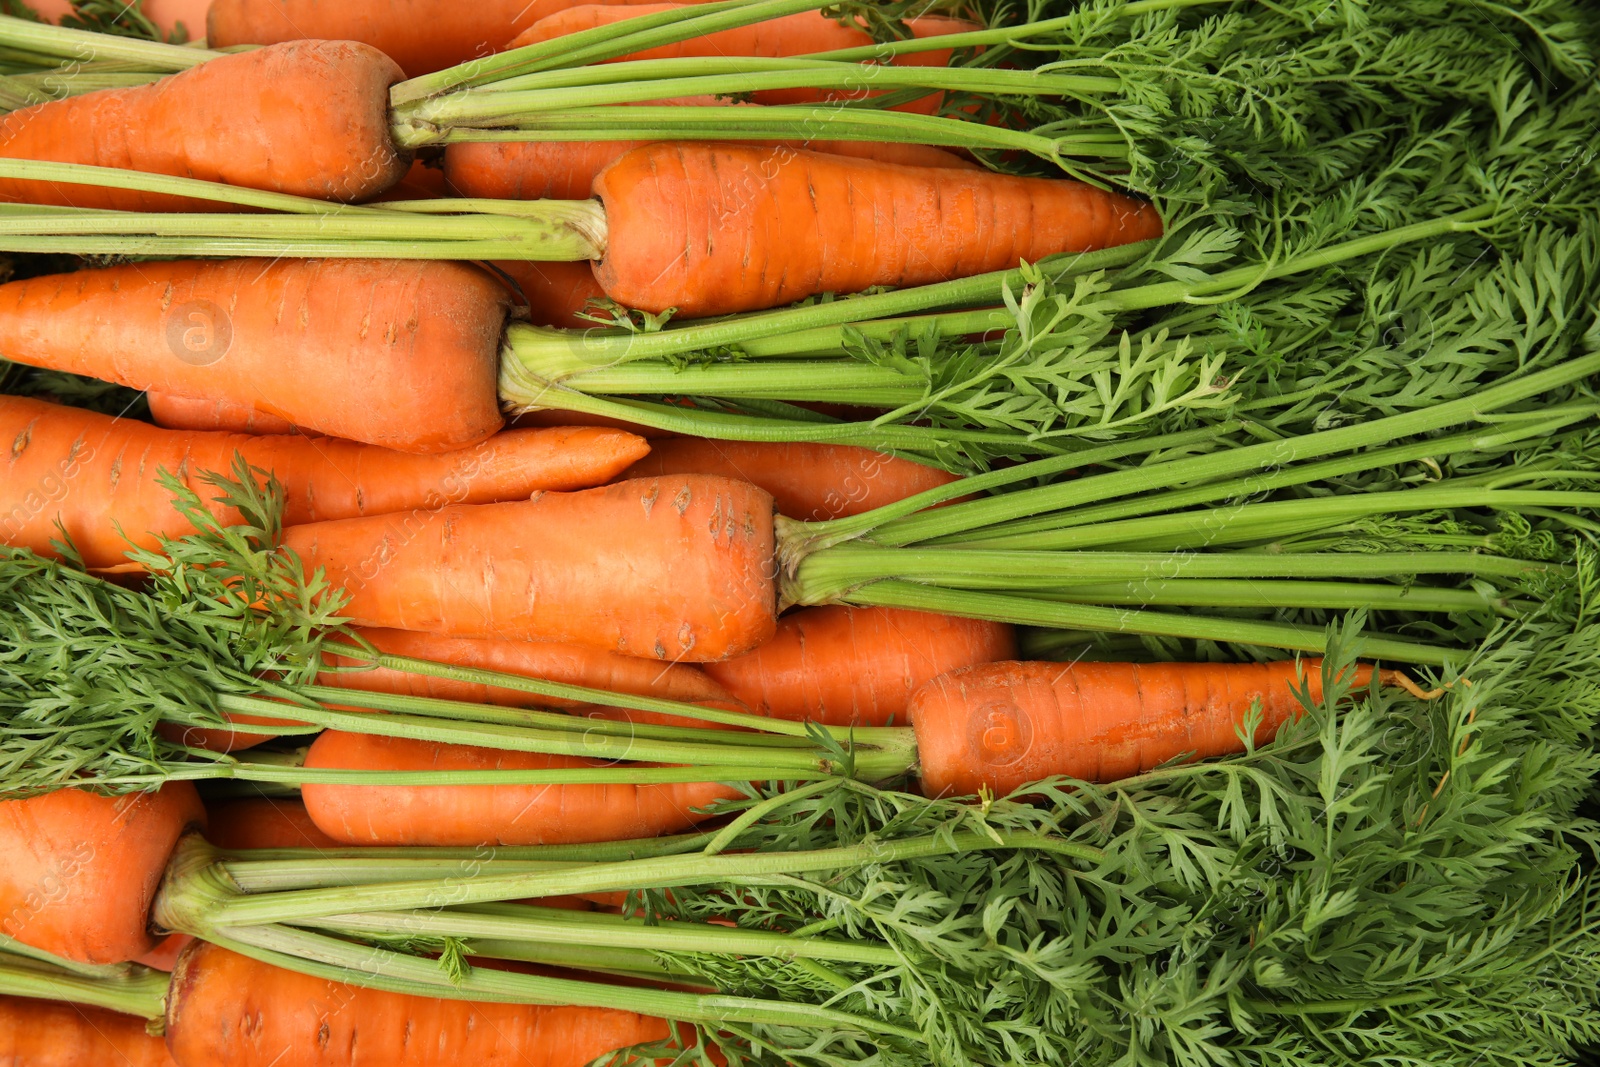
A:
(808, 481)
(470, 815)
(81, 869)
(164, 956)
(675, 568)
(228, 1009)
(1003, 725)
(554, 417)
(842, 666)
(309, 118)
(216, 413)
(556, 292)
(571, 664)
(95, 477)
(397, 353)
(791, 35)
(422, 182)
(48, 1033)
(264, 822)
(697, 227)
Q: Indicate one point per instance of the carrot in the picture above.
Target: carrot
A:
(215, 413)
(309, 118)
(842, 666)
(470, 815)
(556, 292)
(718, 228)
(675, 568)
(94, 477)
(165, 955)
(808, 481)
(1003, 725)
(421, 182)
(225, 1008)
(49, 1033)
(401, 354)
(264, 822)
(167, 15)
(81, 869)
(571, 664)
(540, 417)
(791, 35)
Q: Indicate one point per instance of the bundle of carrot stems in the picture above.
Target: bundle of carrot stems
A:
(761, 532)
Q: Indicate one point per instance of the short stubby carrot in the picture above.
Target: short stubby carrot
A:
(711, 229)
(309, 118)
(557, 294)
(264, 822)
(216, 413)
(799, 34)
(1003, 725)
(672, 568)
(470, 815)
(399, 353)
(81, 869)
(566, 663)
(811, 482)
(226, 1008)
(96, 479)
(49, 1033)
(841, 665)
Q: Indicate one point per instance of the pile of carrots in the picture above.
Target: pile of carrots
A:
(600, 556)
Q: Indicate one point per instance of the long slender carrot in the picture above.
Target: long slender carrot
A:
(673, 568)
(1002, 725)
(264, 822)
(308, 117)
(49, 1033)
(225, 1008)
(402, 354)
(792, 35)
(215, 413)
(94, 477)
(808, 481)
(717, 228)
(469, 815)
(568, 663)
(841, 666)
(81, 869)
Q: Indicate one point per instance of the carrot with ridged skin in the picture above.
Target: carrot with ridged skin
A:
(49, 1033)
(1003, 725)
(857, 666)
(566, 663)
(309, 118)
(95, 477)
(675, 568)
(216, 413)
(264, 822)
(710, 229)
(470, 815)
(225, 1008)
(396, 353)
(81, 869)
(810, 482)
(800, 34)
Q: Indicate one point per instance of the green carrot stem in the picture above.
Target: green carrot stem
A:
(53, 86)
(142, 993)
(317, 872)
(620, 962)
(841, 381)
(610, 775)
(1028, 611)
(86, 47)
(114, 178)
(1268, 594)
(526, 922)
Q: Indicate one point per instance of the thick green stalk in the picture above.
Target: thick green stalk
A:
(841, 380)
(85, 47)
(139, 991)
(1273, 595)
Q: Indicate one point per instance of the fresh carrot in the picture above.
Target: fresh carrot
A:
(49, 1033)
(164, 956)
(1002, 725)
(81, 869)
(673, 568)
(469, 815)
(168, 16)
(556, 293)
(216, 413)
(791, 35)
(842, 666)
(542, 417)
(309, 118)
(225, 1008)
(697, 227)
(422, 182)
(264, 822)
(808, 481)
(402, 354)
(95, 478)
(567, 663)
